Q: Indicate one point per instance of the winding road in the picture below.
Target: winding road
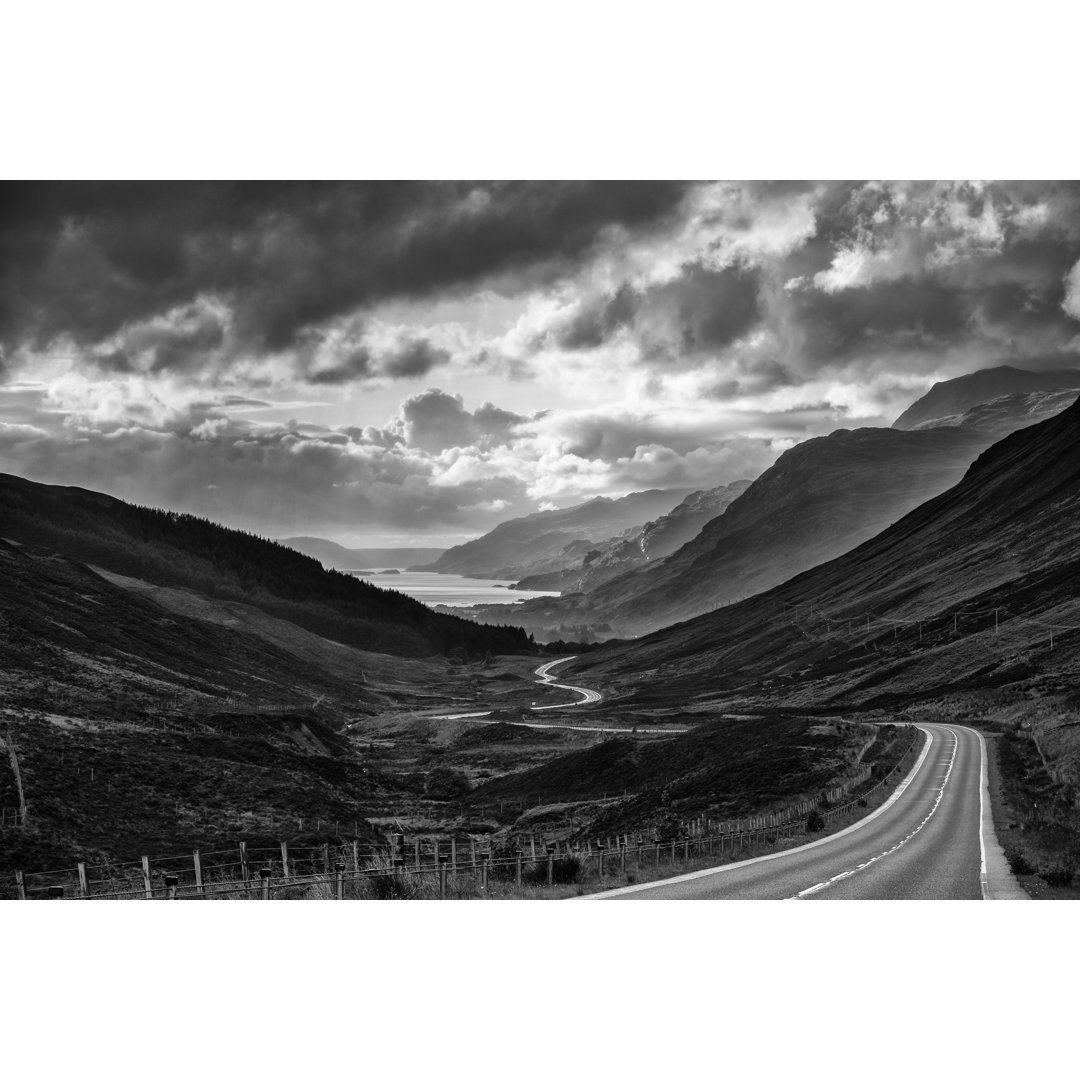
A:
(587, 697)
(932, 840)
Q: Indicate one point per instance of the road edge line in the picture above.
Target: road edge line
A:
(694, 875)
(996, 879)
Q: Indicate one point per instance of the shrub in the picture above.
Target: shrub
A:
(566, 871)
(815, 822)
(445, 783)
(1018, 864)
(1059, 875)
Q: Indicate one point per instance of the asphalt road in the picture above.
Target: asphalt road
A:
(932, 840)
(587, 697)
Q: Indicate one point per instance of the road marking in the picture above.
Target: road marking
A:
(983, 781)
(896, 847)
(996, 879)
(694, 875)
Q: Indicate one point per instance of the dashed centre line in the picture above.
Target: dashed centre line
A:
(899, 844)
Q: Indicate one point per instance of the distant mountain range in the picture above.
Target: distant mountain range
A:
(551, 541)
(962, 591)
(336, 557)
(956, 396)
(821, 498)
(1003, 415)
(655, 540)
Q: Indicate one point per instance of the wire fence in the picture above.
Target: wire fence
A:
(839, 625)
(436, 867)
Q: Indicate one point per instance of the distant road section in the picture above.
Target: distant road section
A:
(588, 697)
(932, 840)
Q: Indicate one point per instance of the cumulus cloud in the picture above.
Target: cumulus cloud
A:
(617, 335)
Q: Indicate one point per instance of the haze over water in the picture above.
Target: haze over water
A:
(453, 590)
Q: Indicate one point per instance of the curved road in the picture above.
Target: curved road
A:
(588, 697)
(932, 840)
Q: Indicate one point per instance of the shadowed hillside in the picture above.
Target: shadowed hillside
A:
(167, 548)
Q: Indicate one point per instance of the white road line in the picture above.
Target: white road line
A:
(694, 875)
(996, 879)
(983, 783)
(897, 846)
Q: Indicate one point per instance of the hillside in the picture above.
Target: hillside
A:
(955, 396)
(963, 591)
(336, 557)
(1002, 416)
(551, 540)
(656, 540)
(179, 550)
(820, 499)
(146, 722)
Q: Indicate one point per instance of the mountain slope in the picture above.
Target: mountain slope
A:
(821, 498)
(535, 543)
(956, 396)
(911, 611)
(1002, 416)
(336, 557)
(656, 540)
(172, 549)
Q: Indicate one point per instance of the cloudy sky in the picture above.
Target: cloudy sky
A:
(413, 363)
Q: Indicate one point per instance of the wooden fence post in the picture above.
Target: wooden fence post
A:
(518, 855)
(56, 892)
(442, 876)
(622, 857)
(326, 858)
(284, 861)
(243, 862)
(484, 856)
(356, 856)
(198, 872)
(170, 886)
(146, 877)
(20, 884)
(551, 865)
(339, 867)
(265, 873)
(416, 852)
(600, 857)
(84, 887)
(453, 855)
(472, 852)
(532, 842)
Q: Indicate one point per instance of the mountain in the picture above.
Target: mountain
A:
(963, 591)
(336, 557)
(655, 540)
(1002, 416)
(182, 551)
(541, 542)
(154, 719)
(956, 396)
(820, 499)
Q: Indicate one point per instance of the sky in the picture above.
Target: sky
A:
(389, 364)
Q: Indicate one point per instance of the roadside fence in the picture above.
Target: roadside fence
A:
(435, 867)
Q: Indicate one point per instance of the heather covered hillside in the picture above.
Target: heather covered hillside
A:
(180, 550)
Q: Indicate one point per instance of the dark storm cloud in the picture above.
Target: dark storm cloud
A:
(86, 259)
(702, 311)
